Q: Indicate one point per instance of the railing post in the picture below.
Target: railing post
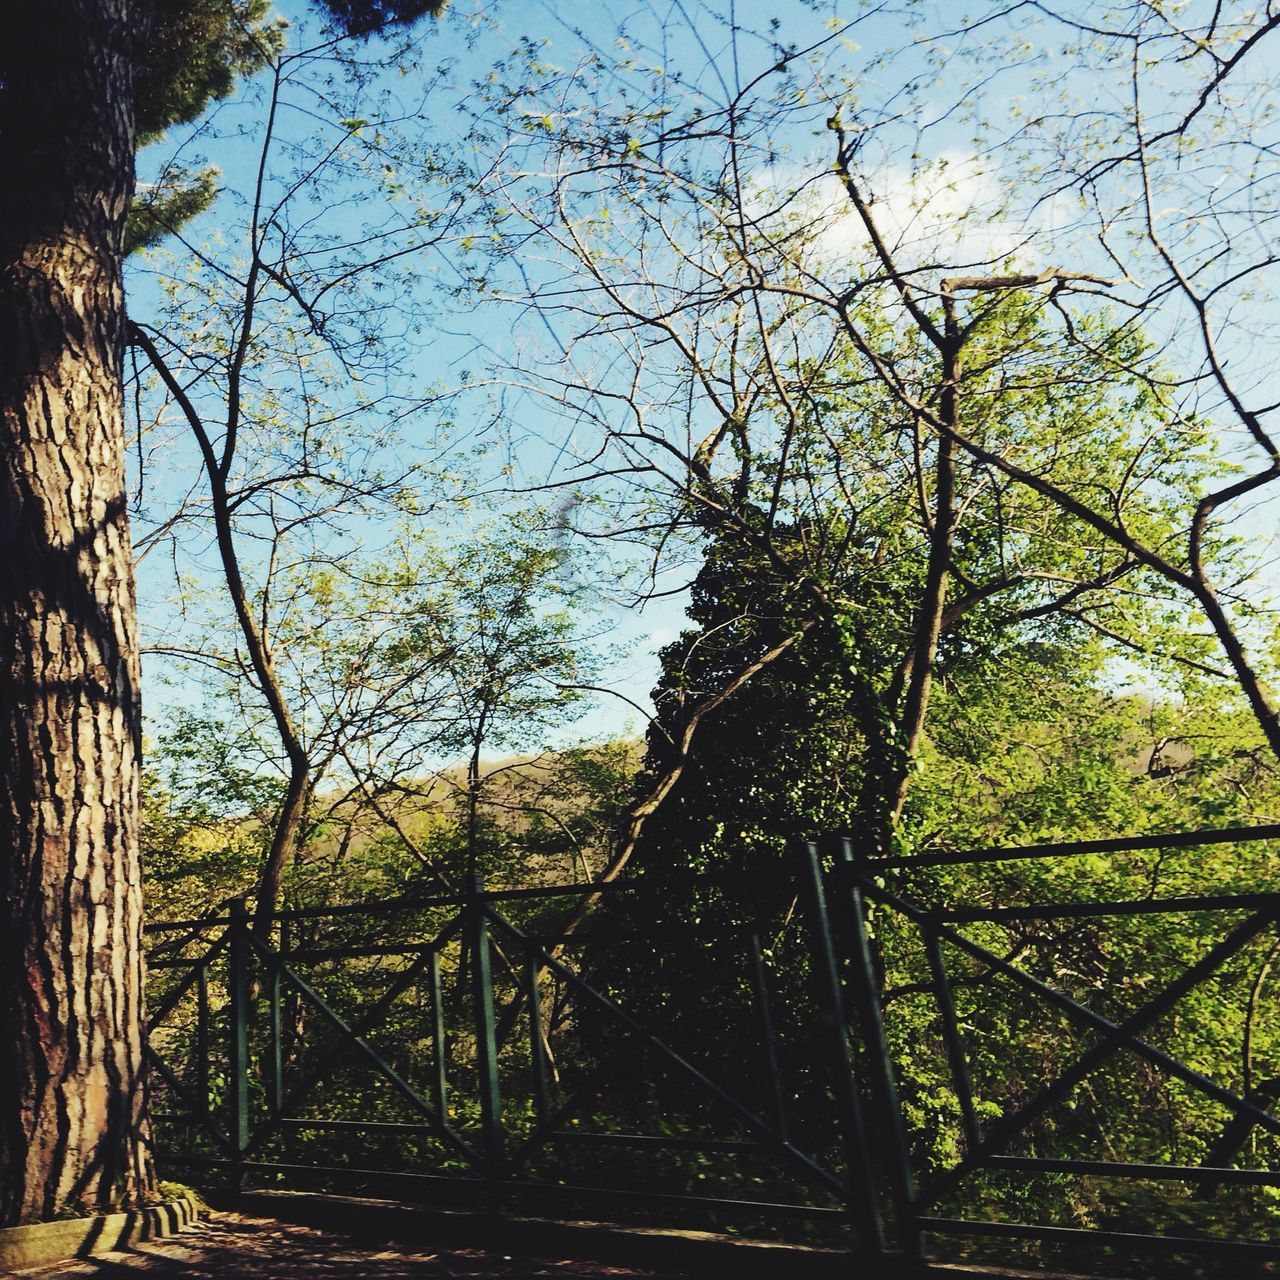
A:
(486, 1034)
(862, 1206)
(884, 1089)
(202, 1041)
(439, 1056)
(238, 1049)
(537, 1047)
(277, 1028)
(768, 1039)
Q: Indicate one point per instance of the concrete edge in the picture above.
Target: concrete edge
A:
(38, 1244)
(703, 1251)
(377, 1220)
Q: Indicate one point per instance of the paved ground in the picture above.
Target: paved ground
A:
(232, 1245)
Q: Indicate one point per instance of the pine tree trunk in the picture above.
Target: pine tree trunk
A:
(72, 1106)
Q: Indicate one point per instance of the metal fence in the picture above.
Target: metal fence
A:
(453, 1046)
(1102, 981)
(889, 1051)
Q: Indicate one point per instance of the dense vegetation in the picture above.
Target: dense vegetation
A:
(1033, 747)
(965, 538)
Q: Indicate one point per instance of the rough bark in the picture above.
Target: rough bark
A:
(72, 1105)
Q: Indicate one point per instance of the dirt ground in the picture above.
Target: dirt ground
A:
(232, 1245)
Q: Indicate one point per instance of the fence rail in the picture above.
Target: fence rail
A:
(915, 911)
(446, 1034)
(900, 1063)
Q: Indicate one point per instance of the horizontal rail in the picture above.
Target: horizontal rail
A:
(768, 1208)
(937, 858)
(1074, 849)
(356, 1126)
(442, 1180)
(660, 1141)
(1137, 1171)
(411, 902)
(199, 925)
(371, 951)
(1116, 907)
(1135, 1241)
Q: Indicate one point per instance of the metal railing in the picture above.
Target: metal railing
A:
(920, 932)
(842, 1066)
(453, 1048)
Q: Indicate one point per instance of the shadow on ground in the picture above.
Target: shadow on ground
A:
(237, 1245)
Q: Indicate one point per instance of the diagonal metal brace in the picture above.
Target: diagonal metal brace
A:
(1115, 1035)
(353, 1037)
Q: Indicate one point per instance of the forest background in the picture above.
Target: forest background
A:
(924, 363)
(482, 354)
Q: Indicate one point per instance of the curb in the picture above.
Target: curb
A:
(700, 1252)
(705, 1252)
(40, 1243)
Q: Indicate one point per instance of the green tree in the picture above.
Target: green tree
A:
(406, 671)
(756, 241)
(277, 370)
(885, 562)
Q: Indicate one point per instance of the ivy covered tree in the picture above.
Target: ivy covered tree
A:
(891, 583)
(887, 563)
(757, 255)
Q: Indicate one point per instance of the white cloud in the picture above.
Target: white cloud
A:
(949, 210)
(660, 637)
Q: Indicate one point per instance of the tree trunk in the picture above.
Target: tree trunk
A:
(918, 667)
(72, 1108)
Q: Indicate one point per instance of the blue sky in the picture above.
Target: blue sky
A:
(461, 342)
(964, 89)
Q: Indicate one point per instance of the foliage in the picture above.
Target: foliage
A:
(1029, 741)
(967, 526)
(398, 664)
(195, 52)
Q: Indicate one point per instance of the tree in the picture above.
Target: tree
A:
(729, 254)
(702, 313)
(75, 92)
(396, 664)
(828, 736)
(281, 358)
(72, 1131)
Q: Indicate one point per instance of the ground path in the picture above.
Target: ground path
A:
(231, 1245)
